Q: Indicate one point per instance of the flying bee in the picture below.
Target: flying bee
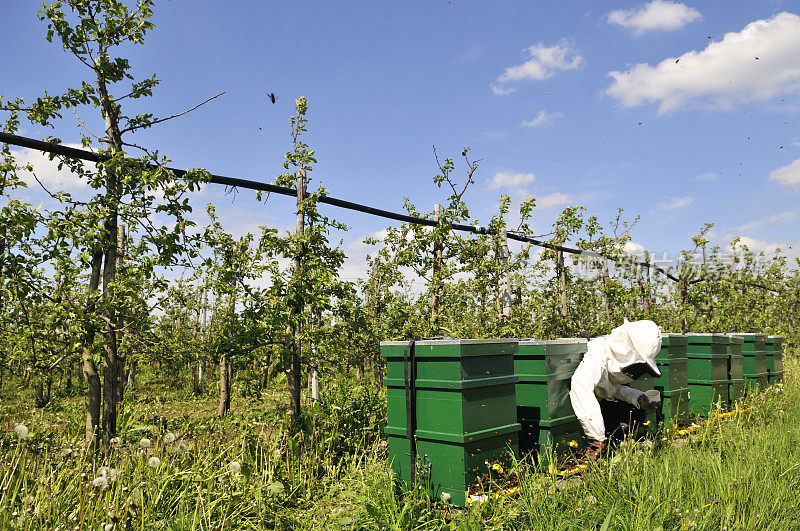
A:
(272, 97)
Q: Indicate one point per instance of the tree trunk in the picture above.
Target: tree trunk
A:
(42, 395)
(112, 376)
(120, 381)
(291, 363)
(89, 369)
(68, 383)
(224, 386)
(131, 376)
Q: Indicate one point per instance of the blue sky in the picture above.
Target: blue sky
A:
(570, 102)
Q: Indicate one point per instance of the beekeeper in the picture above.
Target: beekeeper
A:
(610, 362)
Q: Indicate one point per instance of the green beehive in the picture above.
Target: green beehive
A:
(707, 371)
(671, 361)
(544, 409)
(735, 369)
(774, 352)
(463, 408)
(754, 361)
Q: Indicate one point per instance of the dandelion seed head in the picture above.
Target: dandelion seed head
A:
(154, 462)
(116, 441)
(145, 443)
(100, 482)
(21, 430)
(182, 448)
(110, 473)
(169, 437)
(234, 467)
(446, 497)
(590, 499)
(108, 527)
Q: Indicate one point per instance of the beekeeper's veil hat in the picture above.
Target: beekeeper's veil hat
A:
(634, 343)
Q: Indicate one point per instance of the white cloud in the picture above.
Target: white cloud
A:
(510, 180)
(788, 175)
(545, 61)
(769, 220)
(757, 63)
(47, 171)
(542, 119)
(656, 15)
(500, 91)
(758, 246)
(632, 247)
(708, 176)
(675, 203)
(553, 200)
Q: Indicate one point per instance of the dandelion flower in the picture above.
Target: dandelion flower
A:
(234, 467)
(169, 437)
(21, 430)
(154, 462)
(145, 442)
(100, 482)
(182, 448)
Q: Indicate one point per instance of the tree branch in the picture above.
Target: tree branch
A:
(159, 120)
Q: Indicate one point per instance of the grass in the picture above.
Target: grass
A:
(741, 472)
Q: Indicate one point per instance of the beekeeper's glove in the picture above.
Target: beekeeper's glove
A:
(644, 403)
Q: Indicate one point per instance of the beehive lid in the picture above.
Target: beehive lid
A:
(775, 340)
(674, 340)
(451, 348)
(707, 339)
(750, 337)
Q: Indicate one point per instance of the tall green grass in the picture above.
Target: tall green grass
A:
(250, 472)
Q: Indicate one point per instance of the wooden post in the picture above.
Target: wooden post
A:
(606, 279)
(438, 249)
(314, 384)
(505, 279)
(708, 286)
(684, 297)
(562, 283)
(646, 289)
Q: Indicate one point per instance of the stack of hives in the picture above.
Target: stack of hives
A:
(457, 408)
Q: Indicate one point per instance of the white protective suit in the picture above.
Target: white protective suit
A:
(600, 376)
